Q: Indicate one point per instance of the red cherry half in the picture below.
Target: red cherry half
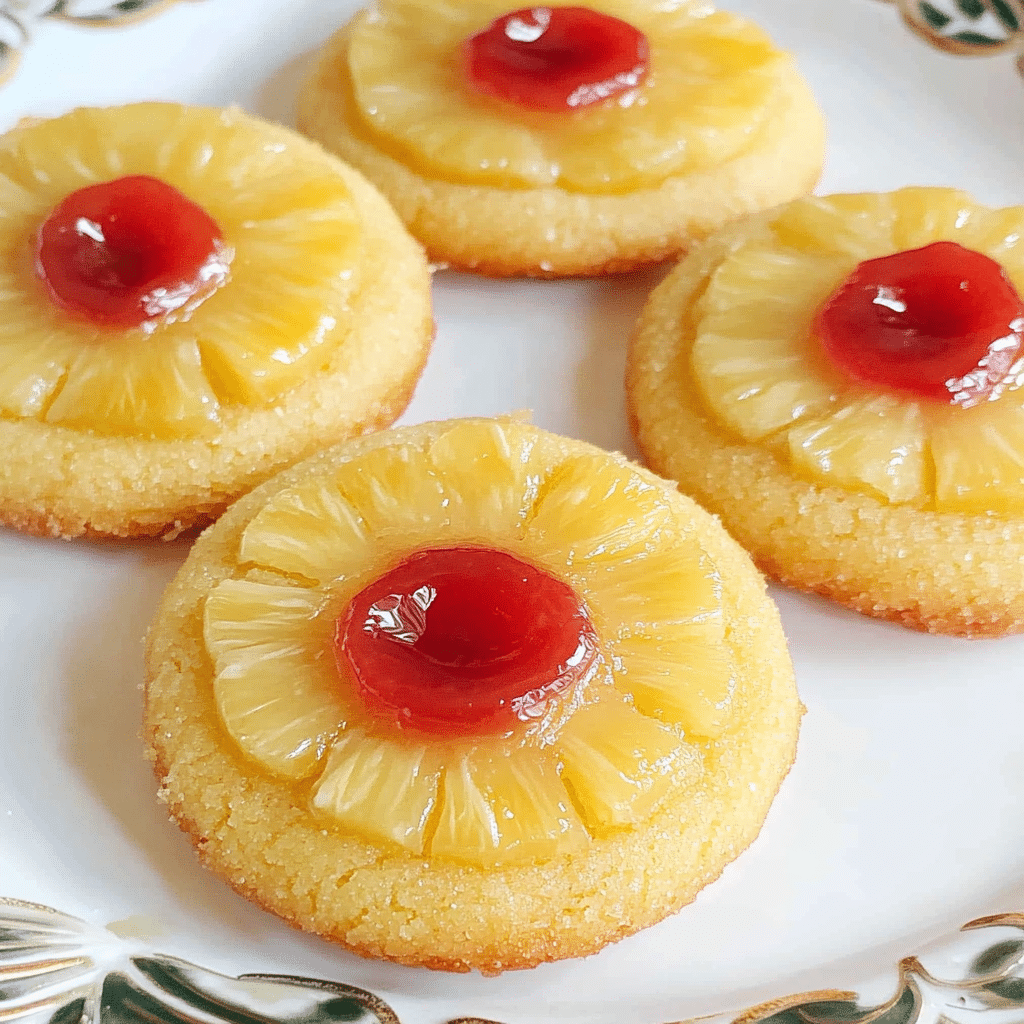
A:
(125, 251)
(942, 323)
(556, 58)
(464, 640)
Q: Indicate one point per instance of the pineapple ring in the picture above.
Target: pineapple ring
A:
(904, 509)
(604, 813)
(722, 125)
(154, 429)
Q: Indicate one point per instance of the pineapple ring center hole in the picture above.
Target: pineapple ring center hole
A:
(556, 58)
(123, 252)
(465, 641)
(942, 322)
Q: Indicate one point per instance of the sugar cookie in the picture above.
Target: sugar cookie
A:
(889, 474)
(469, 695)
(709, 121)
(192, 299)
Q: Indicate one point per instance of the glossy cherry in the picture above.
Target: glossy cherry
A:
(556, 58)
(125, 251)
(942, 322)
(464, 640)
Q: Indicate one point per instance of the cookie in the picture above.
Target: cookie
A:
(192, 299)
(701, 121)
(821, 377)
(468, 695)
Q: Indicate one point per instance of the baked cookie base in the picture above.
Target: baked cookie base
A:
(549, 232)
(940, 572)
(385, 903)
(59, 482)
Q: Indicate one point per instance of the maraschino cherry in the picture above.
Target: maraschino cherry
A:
(464, 640)
(942, 323)
(126, 251)
(556, 58)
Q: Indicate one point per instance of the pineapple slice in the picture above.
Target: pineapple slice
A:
(31, 368)
(505, 806)
(471, 483)
(383, 788)
(752, 358)
(397, 494)
(683, 675)
(711, 84)
(676, 583)
(276, 681)
(291, 235)
(489, 475)
(756, 386)
(309, 531)
(778, 289)
(856, 227)
(999, 233)
(619, 764)
(979, 457)
(924, 215)
(605, 510)
(875, 443)
(163, 386)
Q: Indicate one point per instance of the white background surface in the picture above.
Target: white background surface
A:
(902, 817)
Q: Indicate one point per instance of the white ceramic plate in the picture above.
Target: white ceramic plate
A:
(903, 817)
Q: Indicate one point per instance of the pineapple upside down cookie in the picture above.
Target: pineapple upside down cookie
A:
(564, 140)
(469, 695)
(839, 380)
(192, 299)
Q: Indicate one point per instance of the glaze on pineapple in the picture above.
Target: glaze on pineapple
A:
(584, 758)
(767, 379)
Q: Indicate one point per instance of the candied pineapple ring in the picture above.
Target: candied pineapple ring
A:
(461, 839)
(903, 501)
(205, 303)
(712, 122)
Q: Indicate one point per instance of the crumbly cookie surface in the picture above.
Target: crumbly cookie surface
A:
(63, 478)
(548, 229)
(256, 829)
(890, 538)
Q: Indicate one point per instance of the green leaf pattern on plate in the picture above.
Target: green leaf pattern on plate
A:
(57, 969)
(935, 18)
(972, 8)
(968, 27)
(18, 18)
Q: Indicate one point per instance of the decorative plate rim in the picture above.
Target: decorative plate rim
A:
(59, 968)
